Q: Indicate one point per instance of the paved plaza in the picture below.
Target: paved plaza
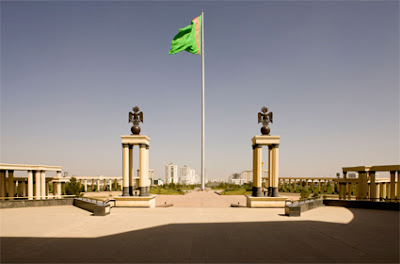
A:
(182, 234)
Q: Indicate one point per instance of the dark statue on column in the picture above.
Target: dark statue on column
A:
(135, 118)
(265, 118)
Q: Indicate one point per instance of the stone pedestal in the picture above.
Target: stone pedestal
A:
(265, 202)
(128, 143)
(136, 201)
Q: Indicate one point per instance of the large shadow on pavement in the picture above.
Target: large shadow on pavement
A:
(365, 239)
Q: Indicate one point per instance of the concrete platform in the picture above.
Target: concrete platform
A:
(265, 202)
(135, 201)
(198, 234)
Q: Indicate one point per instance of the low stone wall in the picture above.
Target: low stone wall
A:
(296, 208)
(363, 204)
(98, 208)
(35, 203)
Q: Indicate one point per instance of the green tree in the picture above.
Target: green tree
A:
(72, 187)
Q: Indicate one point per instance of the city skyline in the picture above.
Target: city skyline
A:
(71, 72)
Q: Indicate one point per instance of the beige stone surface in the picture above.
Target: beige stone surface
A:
(135, 139)
(135, 201)
(265, 140)
(67, 234)
(265, 202)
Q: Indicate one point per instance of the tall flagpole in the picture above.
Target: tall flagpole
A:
(202, 105)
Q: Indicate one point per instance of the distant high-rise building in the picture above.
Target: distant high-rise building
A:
(171, 174)
(187, 176)
(245, 177)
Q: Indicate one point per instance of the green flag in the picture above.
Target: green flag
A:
(188, 38)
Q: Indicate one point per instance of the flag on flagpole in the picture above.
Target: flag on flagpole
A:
(191, 39)
(188, 38)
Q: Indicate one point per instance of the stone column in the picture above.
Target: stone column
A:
(363, 187)
(30, 185)
(387, 184)
(372, 186)
(131, 172)
(37, 184)
(125, 169)
(85, 185)
(342, 189)
(350, 190)
(43, 184)
(257, 171)
(58, 185)
(47, 189)
(143, 170)
(110, 185)
(270, 170)
(382, 190)
(290, 186)
(23, 188)
(275, 171)
(319, 186)
(392, 186)
(98, 185)
(104, 184)
(11, 185)
(398, 185)
(92, 185)
(2, 183)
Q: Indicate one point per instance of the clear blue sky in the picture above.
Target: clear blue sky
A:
(329, 71)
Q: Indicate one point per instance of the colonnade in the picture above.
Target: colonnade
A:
(321, 183)
(128, 142)
(368, 187)
(108, 183)
(34, 186)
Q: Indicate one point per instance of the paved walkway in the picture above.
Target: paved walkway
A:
(207, 198)
(67, 234)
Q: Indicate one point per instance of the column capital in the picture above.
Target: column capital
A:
(130, 146)
(125, 145)
(144, 146)
(273, 146)
(256, 146)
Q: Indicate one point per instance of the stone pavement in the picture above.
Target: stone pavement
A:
(207, 198)
(67, 234)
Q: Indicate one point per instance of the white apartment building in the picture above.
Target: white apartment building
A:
(171, 174)
(245, 177)
(187, 176)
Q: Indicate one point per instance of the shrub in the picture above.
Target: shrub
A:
(72, 187)
(305, 193)
(316, 196)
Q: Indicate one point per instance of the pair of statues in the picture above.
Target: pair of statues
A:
(263, 117)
